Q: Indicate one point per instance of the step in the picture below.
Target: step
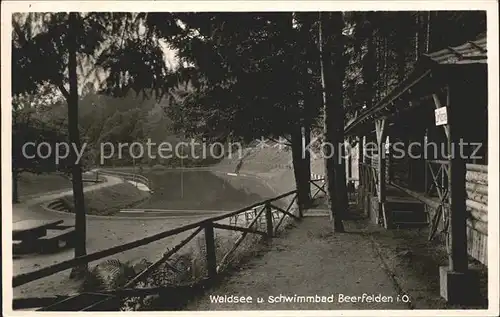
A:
(406, 205)
(410, 224)
(408, 216)
(58, 205)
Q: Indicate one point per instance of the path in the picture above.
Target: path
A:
(22, 211)
(309, 260)
(139, 186)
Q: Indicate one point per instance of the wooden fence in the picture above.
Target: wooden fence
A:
(476, 187)
(437, 205)
(214, 266)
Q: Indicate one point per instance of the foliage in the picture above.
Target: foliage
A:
(30, 125)
(386, 44)
(108, 275)
(249, 70)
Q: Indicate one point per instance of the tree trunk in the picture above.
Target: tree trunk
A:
(74, 139)
(417, 35)
(428, 33)
(15, 191)
(307, 162)
(369, 70)
(332, 76)
(298, 169)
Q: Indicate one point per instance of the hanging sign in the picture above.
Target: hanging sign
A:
(441, 116)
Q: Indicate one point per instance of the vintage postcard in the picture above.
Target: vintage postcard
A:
(278, 158)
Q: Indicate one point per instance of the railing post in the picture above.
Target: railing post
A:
(301, 210)
(381, 132)
(210, 248)
(269, 220)
(361, 156)
(426, 177)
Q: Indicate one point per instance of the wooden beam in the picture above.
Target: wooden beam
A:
(320, 188)
(381, 134)
(458, 261)
(349, 164)
(455, 52)
(395, 94)
(287, 209)
(285, 212)
(478, 47)
(380, 129)
(269, 221)
(238, 228)
(36, 302)
(361, 149)
(389, 160)
(210, 248)
(477, 168)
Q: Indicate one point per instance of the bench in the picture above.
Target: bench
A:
(29, 230)
(22, 247)
(32, 236)
(56, 239)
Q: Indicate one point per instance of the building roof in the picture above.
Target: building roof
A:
(469, 53)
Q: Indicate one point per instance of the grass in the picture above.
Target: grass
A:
(109, 200)
(32, 184)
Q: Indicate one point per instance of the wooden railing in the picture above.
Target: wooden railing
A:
(439, 172)
(319, 184)
(265, 209)
(369, 178)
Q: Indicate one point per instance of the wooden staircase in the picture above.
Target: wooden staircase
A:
(405, 212)
(59, 205)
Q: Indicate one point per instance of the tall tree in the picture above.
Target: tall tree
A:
(331, 41)
(74, 139)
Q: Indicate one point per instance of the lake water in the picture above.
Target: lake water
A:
(203, 190)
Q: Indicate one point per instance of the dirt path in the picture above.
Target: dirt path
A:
(23, 211)
(310, 260)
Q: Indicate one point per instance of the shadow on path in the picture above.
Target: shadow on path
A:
(309, 260)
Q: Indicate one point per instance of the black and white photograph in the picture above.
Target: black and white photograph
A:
(279, 158)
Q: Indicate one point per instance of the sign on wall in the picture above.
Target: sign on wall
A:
(441, 116)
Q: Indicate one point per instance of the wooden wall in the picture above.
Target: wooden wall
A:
(477, 207)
